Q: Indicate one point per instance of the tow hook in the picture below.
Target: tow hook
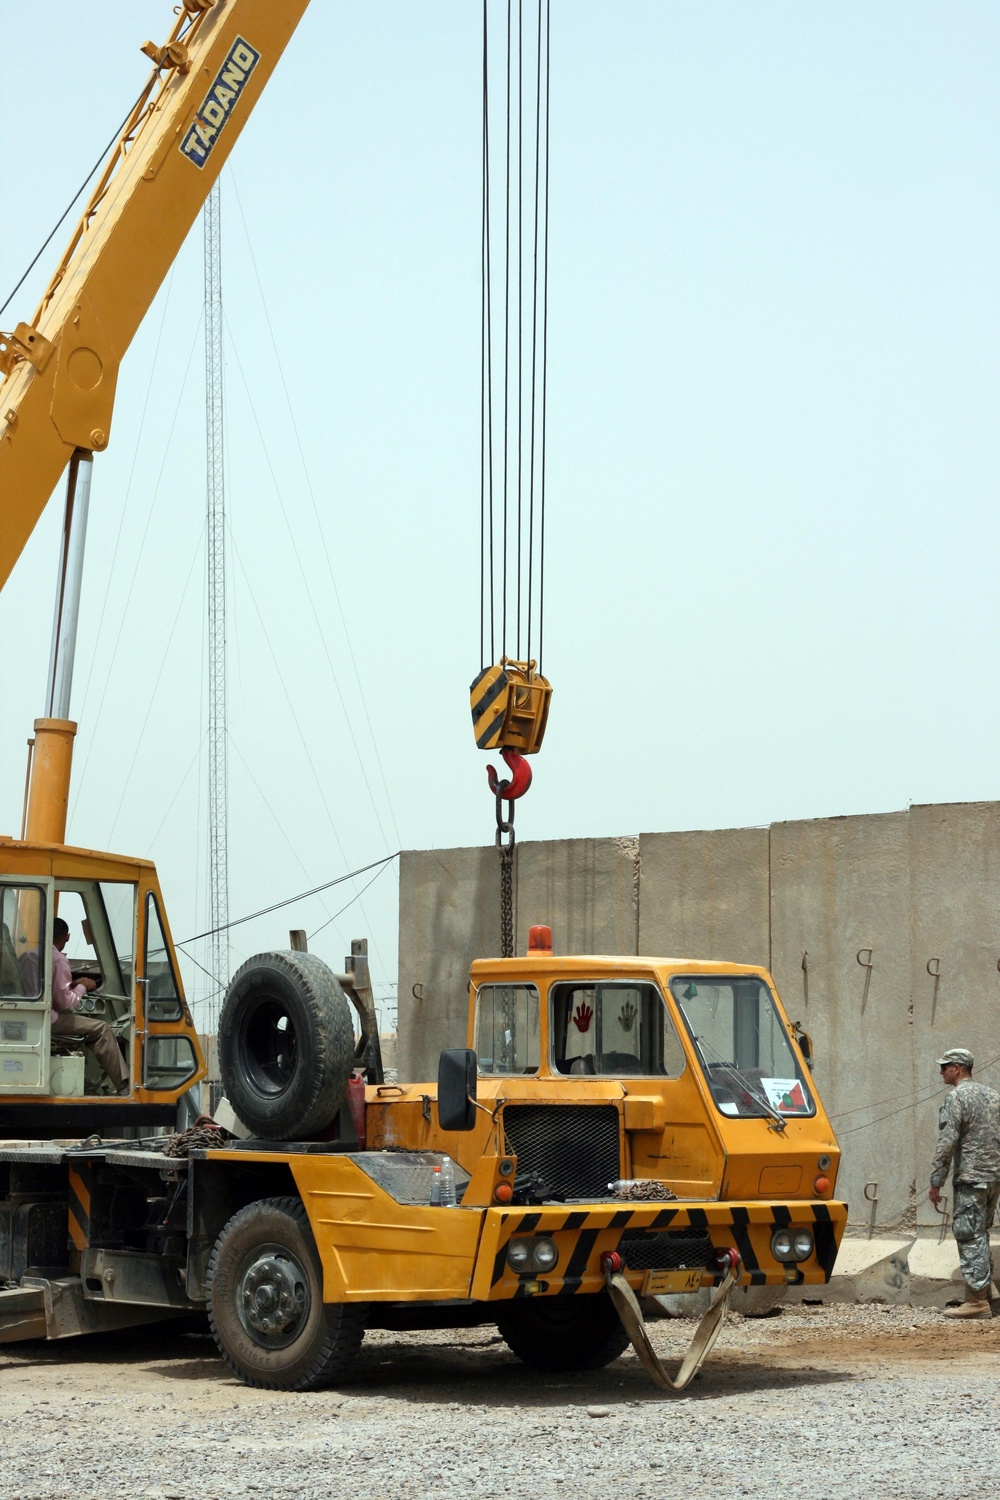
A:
(727, 1261)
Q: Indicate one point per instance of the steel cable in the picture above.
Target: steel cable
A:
(534, 315)
(486, 393)
(506, 363)
(924, 1099)
(545, 341)
(302, 896)
(74, 200)
(520, 302)
(519, 518)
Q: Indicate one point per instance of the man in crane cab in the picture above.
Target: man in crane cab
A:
(67, 1020)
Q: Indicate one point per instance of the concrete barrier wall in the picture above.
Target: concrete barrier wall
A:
(881, 932)
(705, 895)
(448, 900)
(840, 907)
(954, 907)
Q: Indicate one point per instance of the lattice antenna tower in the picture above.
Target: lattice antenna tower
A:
(218, 750)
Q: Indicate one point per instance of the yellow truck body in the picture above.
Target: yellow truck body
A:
(701, 1155)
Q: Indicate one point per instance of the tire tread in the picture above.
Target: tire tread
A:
(326, 1046)
(342, 1325)
(596, 1339)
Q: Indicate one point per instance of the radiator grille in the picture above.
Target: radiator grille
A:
(573, 1148)
(670, 1250)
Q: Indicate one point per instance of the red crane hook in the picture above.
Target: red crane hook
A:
(520, 777)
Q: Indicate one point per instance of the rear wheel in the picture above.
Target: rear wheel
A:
(265, 1302)
(564, 1333)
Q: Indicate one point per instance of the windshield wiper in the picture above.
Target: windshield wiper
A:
(749, 1085)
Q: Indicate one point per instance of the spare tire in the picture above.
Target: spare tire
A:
(286, 1045)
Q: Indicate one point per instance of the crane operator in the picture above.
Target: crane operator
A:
(67, 1020)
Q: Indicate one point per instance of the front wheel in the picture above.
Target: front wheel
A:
(564, 1333)
(265, 1302)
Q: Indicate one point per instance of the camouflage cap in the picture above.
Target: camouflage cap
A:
(959, 1055)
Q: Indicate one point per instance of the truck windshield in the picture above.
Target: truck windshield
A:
(742, 1045)
(508, 1028)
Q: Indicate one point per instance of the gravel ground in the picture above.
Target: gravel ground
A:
(819, 1401)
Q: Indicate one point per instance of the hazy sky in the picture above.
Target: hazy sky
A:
(773, 454)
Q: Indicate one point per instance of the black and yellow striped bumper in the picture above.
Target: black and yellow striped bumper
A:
(651, 1235)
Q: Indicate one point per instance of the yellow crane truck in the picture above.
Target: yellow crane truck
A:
(615, 1128)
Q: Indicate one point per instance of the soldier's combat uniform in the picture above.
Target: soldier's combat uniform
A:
(969, 1142)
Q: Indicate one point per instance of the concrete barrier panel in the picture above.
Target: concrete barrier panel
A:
(866, 1271)
(586, 890)
(839, 890)
(955, 901)
(449, 905)
(705, 895)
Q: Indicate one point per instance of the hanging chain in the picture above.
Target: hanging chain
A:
(507, 901)
(505, 826)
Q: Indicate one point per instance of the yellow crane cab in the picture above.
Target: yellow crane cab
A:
(120, 939)
(58, 380)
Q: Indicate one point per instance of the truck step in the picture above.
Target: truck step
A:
(22, 1314)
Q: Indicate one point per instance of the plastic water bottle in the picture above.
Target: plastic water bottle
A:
(447, 1178)
(435, 1198)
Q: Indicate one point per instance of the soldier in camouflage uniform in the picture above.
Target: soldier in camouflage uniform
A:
(969, 1143)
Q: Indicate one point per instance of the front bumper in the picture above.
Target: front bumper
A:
(652, 1236)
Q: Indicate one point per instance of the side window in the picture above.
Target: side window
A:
(163, 996)
(22, 934)
(119, 907)
(100, 916)
(508, 1028)
(618, 1029)
(170, 1062)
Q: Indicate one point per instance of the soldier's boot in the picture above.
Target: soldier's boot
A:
(976, 1305)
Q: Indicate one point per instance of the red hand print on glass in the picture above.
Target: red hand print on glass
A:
(582, 1017)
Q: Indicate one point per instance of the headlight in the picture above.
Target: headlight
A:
(545, 1255)
(519, 1255)
(792, 1244)
(802, 1243)
(538, 1254)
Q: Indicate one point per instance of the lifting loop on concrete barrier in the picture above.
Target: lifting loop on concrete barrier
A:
(705, 1335)
(872, 1198)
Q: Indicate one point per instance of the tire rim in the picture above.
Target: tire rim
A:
(273, 1297)
(267, 1047)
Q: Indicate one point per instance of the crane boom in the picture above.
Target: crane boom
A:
(58, 373)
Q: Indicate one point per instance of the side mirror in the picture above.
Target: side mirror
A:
(457, 1089)
(805, 1043)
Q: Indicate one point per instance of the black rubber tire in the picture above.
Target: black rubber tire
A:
(322, 1341)
(564, 1333)
(286, 1045)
